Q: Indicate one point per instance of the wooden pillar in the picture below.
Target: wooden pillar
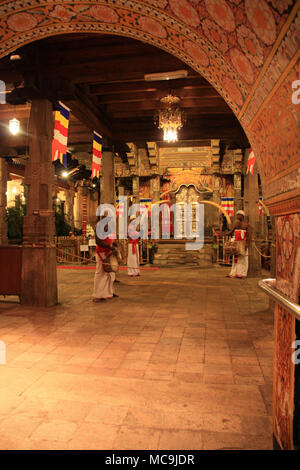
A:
(251, 198)
(39, 280)
(215, 214)
(121, 190)
(155, 187)
(108, 178)
(136, 189)
(3, 201)
(238, 201)
(70, 195)
(84, 201)
(237, 180)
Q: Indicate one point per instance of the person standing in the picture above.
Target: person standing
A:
(133, 257)
(241, 233)
(103, 281)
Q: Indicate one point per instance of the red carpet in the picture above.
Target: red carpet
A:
(94, 267)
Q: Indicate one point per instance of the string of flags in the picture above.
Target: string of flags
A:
(227, 203)
(60, 138)
(60, 141)
(97, 155)
(251, 162)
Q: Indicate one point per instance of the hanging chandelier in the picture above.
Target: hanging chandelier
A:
(170, 118)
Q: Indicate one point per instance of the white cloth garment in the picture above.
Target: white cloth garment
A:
(103, 281)
(133, 260)
(239, 266)
(239, 262)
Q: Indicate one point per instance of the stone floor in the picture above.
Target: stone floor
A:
(182, 360)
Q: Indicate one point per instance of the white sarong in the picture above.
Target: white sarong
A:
(239, 266)
(133, 260)
(103, 281)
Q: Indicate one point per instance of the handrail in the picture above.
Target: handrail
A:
(267, 285)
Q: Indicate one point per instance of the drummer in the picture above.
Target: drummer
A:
(103, 281)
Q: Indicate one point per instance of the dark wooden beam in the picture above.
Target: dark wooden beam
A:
(199, 94)
(85, 110)
(191, 81)
(218, 105)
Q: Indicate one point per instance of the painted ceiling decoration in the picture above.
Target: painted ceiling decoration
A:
(244, 48)
(226, 41)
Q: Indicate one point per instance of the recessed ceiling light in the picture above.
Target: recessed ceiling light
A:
(15, 57)
(152, 77)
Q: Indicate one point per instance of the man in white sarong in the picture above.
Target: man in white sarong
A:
(133, 258)
(241, 233)
(103, 281)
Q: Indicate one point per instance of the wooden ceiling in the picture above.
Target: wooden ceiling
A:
(108, 75)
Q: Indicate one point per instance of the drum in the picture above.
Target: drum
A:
(110, 264)
(230, 248)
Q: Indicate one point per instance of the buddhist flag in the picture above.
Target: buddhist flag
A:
(120, 209)
(251, 162)
(97, 155)
(227, 203)
(60, 138)
(144, 205)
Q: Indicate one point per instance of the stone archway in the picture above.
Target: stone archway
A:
(248, 50)
(252, 63)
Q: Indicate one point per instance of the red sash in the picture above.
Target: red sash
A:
(239, 235)
(133, 243)
(101, 249)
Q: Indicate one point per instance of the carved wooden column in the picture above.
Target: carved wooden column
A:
(70, 195)
(237, 181)
(84, 202)
(136, 189)
(155, 187)
(39, 280)
(215, 158)
(3, 201)
(108, 178)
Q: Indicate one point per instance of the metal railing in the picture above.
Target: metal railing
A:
(268, 286)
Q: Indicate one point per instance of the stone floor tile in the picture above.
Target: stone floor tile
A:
(167, 373)
(130, 438)
(100, 413)
(93, 436)
(180, 440)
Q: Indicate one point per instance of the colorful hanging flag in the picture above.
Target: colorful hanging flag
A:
(251, 162)
(97, 155)
(120, 209)
(227, 203)
(60, 138)
(144, 205)
(260, 206)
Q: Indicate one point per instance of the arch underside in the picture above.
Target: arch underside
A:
(247, 61)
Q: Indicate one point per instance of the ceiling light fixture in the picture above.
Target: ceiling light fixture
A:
(15, 57)
(153, 77)
(170, 118)
(14, 126)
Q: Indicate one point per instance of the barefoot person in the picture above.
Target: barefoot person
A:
(133, 258)
(241, 232)
(103, 281)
